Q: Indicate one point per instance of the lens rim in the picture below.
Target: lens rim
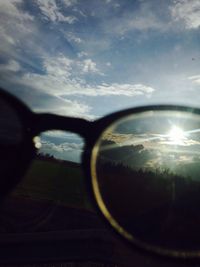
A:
(88, 161)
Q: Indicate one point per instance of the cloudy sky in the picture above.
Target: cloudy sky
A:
(89, 58)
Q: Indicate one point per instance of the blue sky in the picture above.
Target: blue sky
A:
(89, 58)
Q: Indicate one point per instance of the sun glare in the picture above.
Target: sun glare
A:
(176, 135)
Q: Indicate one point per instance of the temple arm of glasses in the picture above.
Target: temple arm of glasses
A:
(46, 122)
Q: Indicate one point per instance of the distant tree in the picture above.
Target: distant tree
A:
(45, 156)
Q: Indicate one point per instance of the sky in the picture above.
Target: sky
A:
(90, 58)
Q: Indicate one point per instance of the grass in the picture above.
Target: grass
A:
(61, 182)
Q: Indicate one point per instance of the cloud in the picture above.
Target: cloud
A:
(82, 54)
(143, 18)
(63, 67)
(64, 151)
(188, 12)
(11, 65)
(61, 135)
(58, 67)
(46, 145)
(89, 66)
(69, 3)
(124, 89)
(15, 24)
(63, 87)
(10, 8)
(73, 38)
(195, 79)
(52, 12)
(21, 39)
(5, 37)
(62, 78)
(64, 107)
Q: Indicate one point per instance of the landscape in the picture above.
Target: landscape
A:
(51, 197)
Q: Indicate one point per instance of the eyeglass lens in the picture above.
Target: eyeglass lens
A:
(146, 178)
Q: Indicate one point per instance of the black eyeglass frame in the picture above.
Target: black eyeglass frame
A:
(35, 123)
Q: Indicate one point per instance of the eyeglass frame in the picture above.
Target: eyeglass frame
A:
(35, 123)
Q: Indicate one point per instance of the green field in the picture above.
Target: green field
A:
(62, 182)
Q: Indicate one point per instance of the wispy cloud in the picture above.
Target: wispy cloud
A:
(72, 37)
(142, 19)
(69, 3)
(11, 65)
(195, 79)
(82, 54)
(52, 12)
(66, 150)
(62, 78)
(60, 66)
(10, 8)
(188, 12)
(124, 89)
(15, 24)
(89, 66)
(65, 107)
(51, 84)
(46, 145)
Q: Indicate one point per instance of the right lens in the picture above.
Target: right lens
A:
(11, 136)
(146, 179)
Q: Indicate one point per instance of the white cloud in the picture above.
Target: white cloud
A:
(188, 12)
(13, 22)
(69, 3)
(62, 77)
(60, 67)
(82, 54)
(61, 151)
(73, 38)
(17, 28)
(52, 12)
(10, 8)
(89, 66)
(12, 65)
(5, 38)
(124, 89)
(65, 107)
(60, 86)
(63, 67)
(142, 19)
(195, 79)
(46, 145)
(61, 134)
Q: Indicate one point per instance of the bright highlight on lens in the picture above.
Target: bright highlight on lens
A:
(37, 142)
(176, 135)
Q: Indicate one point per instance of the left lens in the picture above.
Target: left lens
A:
(11, 137)
(146, 179)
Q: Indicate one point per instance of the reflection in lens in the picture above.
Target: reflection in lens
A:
(10, 138)
(177, 135)
(146, 179)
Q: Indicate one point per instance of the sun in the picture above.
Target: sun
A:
(176, 135)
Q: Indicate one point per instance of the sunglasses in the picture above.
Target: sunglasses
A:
(142, 168)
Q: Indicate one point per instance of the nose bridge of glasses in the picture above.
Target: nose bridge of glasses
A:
(45, 122)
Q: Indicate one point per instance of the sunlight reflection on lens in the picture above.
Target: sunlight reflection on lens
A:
(176, 135)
